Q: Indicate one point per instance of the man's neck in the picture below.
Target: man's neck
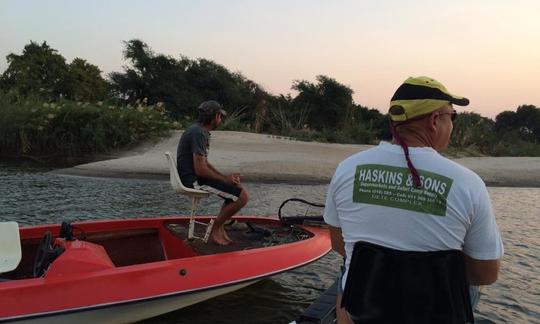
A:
(207, 127)
(414, 140)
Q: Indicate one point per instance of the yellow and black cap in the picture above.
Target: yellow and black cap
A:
(419, 96)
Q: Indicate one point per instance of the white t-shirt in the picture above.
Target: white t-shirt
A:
(372, 198)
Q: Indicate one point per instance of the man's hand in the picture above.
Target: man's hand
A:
(234, 179)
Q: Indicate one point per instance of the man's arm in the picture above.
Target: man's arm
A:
(337, 240)
(481, 272)
(214, 169)
(204, 169)
(338, 245)
(483, 246)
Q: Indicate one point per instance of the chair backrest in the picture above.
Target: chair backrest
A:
(391, 286)
(10, 246)
(176, 183)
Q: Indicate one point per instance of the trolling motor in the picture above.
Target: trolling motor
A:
(47, 252)
(300, 219)
(45, 255)
(66, 232)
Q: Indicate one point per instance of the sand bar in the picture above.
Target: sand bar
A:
(270, 159)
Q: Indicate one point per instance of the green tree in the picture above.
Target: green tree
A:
(473, 131)
(505, 122)
(182, 84)
(150, 77)
(525, 122)
(330, 102)
(372, 120)
(528, 117)
(84, 81)
(39, 70)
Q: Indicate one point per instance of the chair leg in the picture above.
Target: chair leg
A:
(208, 230)
(194, 203)
(192, 222)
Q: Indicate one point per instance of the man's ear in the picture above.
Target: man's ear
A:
(433, 122)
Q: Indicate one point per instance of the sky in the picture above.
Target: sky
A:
(485, 50)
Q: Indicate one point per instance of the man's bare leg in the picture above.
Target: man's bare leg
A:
(221, 229)
(218, 234)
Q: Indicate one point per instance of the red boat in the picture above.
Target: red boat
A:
(119, 271)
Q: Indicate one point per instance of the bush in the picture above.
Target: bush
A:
(512, 144)
(71, 129)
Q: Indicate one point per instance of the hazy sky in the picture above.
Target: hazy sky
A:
(486, 50)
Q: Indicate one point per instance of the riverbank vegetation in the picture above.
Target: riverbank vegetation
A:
(49, 107)
(45, 131)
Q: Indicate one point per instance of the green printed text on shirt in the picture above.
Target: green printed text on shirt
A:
(393, 187)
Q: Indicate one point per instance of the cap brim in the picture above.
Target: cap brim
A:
(460, 101)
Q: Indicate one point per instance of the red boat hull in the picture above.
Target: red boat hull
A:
(84, 278)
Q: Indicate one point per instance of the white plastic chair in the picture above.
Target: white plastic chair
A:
(10, 246)
(194, 194)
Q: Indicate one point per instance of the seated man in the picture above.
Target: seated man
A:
(403, 200)
(196, 171)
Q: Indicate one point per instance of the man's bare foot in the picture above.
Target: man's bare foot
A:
(224, 232)
(218, 238)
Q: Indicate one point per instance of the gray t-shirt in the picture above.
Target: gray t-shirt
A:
(196, 140)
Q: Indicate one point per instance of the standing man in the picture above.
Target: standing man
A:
(405, 196)
(196, 171)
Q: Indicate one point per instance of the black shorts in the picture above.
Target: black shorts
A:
(223, 189)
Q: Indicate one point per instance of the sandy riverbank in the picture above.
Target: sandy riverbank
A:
(264, 158)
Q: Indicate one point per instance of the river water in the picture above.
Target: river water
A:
(33, 196)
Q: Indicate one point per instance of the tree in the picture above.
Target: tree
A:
(525, 122)
(39, 70)
(373, 120)
(473, 130)
(330, 102)
(528, 117)
(182, 84)
(42, 72)
(505, 121)
(84, 81)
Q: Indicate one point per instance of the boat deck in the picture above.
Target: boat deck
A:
(256, 236)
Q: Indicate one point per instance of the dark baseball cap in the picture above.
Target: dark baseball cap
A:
(211, 107)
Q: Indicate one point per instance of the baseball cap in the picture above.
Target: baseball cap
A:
(211, 107)
(419, 96)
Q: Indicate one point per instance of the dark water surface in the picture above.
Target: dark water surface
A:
(32, 196)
